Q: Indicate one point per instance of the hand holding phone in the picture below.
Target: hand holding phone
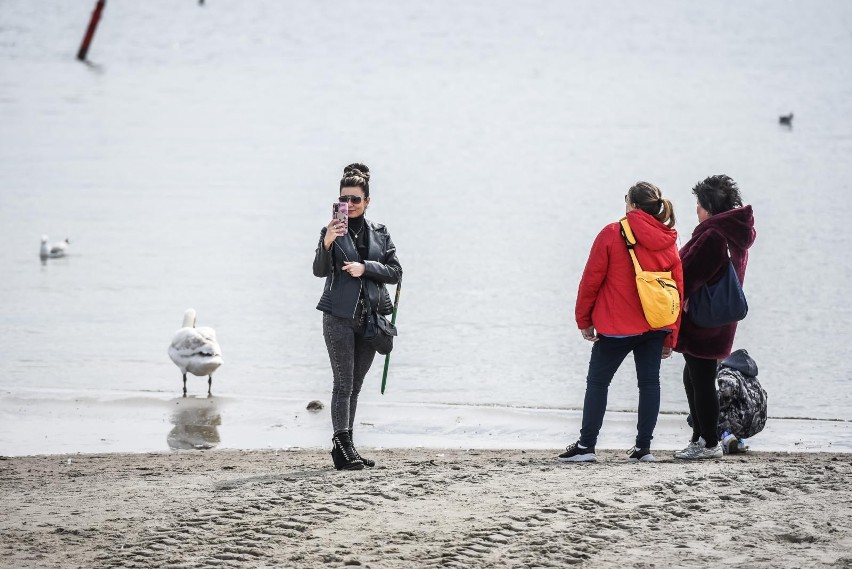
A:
(339, 224)
(340, 212)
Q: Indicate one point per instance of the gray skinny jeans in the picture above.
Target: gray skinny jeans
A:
(351, 359)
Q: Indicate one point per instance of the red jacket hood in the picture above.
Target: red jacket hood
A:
(737, 225)
(651, 233)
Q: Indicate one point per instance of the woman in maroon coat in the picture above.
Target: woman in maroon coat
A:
(724, 225)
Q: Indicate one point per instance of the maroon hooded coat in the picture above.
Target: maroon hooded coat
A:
(705, 260)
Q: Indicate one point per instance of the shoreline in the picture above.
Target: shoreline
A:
(424, 507)
(49, 424)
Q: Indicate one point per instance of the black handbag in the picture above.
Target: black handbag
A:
(719, 304)
(378, 331)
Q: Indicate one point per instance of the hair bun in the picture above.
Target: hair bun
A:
(357, 169)
(358, 173)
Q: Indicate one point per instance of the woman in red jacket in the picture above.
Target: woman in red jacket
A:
(609, 314)
(723, 225)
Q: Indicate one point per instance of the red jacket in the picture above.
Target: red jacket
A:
(608, 299)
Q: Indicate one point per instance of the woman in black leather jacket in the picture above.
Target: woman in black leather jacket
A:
(356, 264)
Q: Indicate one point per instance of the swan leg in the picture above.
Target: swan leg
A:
(184, 385)
(209, 384)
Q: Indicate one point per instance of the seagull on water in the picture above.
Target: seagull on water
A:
(195, 350)
(53, 251)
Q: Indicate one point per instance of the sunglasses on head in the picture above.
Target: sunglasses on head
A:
(353, 199)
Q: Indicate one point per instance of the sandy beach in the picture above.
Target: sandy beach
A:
(192, 161)
(424, 507)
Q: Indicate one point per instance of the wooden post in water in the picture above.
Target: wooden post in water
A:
(90, 31)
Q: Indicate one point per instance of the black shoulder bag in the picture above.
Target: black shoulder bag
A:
(378, 331)
(721, 303)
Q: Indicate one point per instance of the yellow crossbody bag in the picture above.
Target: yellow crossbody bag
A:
(657, 291)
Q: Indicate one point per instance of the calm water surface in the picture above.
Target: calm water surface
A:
(196, 162)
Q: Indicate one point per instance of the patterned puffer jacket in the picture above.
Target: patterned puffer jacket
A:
(742, 400)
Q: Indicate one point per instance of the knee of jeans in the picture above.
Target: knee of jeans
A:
(649, 382)
(598, 381)
(341, 391)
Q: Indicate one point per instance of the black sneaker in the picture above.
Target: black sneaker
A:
(576, 453)
(640, 455)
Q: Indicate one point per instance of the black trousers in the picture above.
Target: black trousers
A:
(350, 359)
(699, 381)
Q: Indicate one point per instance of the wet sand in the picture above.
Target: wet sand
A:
(40, 423)
(424, 507)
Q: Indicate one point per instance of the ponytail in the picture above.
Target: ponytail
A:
(649, 198)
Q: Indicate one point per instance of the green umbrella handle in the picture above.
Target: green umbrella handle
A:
(393, 321)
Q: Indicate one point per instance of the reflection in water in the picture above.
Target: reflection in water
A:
(196, 424)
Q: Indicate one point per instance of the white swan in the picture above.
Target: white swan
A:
(195, 350)
(53, 251)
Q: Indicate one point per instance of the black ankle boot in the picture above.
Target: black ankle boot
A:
(342, 453)
(367, 462)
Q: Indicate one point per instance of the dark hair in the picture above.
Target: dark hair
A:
(649, 198)
(356, 175)
(718, 194)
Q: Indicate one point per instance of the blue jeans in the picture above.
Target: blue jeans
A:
(607, 355)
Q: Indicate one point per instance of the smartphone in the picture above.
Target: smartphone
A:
(340, 211)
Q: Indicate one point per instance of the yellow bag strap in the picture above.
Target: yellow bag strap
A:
(630, 241)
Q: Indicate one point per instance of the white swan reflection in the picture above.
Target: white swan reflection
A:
(196, 423)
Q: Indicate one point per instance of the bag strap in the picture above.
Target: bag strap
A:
(630, 241)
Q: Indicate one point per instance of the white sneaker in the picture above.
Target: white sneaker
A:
(691, 449)
(730, 444)
(715, 452)
(699, 451)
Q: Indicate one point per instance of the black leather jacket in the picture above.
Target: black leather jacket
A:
(341, 293)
